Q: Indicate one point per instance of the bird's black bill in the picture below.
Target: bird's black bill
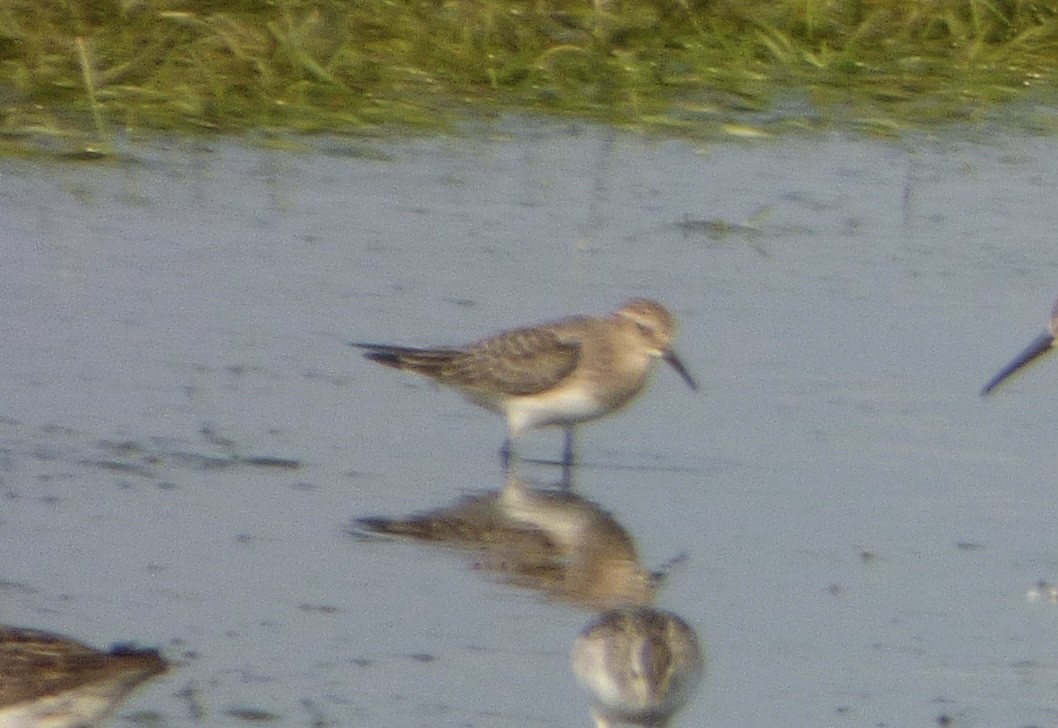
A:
(675, 363)
(1043, 344)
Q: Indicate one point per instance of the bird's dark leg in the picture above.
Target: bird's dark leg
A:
(505, 455)
(567, 458)
(567, 450)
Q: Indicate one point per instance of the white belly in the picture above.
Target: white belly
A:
(565, 406)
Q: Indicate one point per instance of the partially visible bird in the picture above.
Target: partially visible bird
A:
(641, 665)
(1041, 345)
(51, 681)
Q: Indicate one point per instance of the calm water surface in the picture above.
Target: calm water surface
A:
(185, 437)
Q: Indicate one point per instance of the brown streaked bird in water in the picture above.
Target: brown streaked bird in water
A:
(560, 373)
(50, 681)
(641, 666)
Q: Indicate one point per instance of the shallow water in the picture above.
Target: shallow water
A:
(185, 438)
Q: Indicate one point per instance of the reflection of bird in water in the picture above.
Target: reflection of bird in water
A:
(640, 665)
(551, 541)
(50, 681)
(602, 568)
(560, 373)
(1042, 344)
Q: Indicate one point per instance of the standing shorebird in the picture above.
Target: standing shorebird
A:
(50, 681)
(560, 373)
(640, 665)
(1042, 344)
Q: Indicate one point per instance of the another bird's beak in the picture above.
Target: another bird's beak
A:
(1043, 344)
(670, 357)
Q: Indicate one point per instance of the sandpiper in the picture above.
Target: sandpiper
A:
(1042, 344)
(47, 680)
(560, 373)
(640, 665)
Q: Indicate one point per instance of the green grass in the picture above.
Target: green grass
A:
(76, 73)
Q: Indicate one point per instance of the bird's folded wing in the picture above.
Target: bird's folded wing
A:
(517, 362)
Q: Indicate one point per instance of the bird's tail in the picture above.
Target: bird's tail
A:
(428, 362)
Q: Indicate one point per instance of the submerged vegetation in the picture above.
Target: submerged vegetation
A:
(82, 70)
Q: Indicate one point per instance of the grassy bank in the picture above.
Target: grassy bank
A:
(82, 70)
